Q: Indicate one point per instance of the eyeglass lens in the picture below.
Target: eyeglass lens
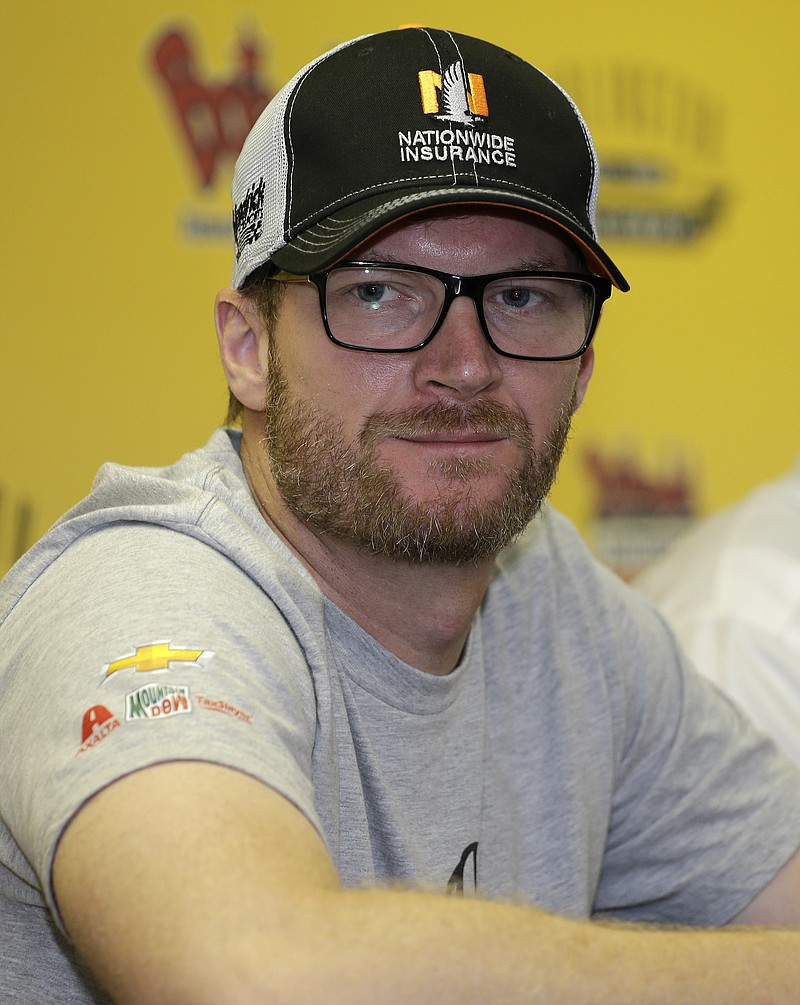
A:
(395, 309)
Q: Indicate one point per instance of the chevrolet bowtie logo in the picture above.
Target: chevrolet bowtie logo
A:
(155, 656)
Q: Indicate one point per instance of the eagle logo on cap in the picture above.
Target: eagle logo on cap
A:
(454, 98)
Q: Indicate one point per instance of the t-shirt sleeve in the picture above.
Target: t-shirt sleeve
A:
(705, 809)
(137, 646)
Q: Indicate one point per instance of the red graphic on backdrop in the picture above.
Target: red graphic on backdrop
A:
(624, 490)
(213, 117)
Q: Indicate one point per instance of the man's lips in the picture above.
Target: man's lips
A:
(448, 427)
(456, 438)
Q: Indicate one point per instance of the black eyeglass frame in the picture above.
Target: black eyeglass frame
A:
(459, 286)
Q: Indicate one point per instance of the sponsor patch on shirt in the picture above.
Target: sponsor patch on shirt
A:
(220, 705)
(98, 723)
(157, 701)
(155, 657)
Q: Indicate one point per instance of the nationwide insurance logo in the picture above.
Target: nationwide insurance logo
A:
(457, 99)
(211, 116)
(447, 96)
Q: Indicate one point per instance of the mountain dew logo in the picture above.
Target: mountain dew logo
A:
(157, 701)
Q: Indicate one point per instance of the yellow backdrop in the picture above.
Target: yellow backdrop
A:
(111, 254)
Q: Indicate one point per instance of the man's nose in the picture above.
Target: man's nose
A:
(459, 357)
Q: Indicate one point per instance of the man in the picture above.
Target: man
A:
(730, 588)
(313, 677)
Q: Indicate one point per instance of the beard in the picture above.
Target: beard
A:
(347, 492)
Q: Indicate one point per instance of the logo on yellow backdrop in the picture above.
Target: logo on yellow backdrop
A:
(660, 141)
(212, 117)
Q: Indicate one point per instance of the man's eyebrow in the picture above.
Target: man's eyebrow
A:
(542, 263)
(388, 257)
(545, 264)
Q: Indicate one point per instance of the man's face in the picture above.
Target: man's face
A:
(441, 455)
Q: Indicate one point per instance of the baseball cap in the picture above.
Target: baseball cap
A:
(391, 123)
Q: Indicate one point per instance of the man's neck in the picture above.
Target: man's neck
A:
(422, 613)
(419, 611)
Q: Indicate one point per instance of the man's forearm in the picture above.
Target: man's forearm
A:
(387, 947)
(227, 894)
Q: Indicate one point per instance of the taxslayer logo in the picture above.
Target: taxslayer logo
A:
(453, 95)
(157, 656)
(212, 117)
(98, 723)
(457, 97)
(219, 705)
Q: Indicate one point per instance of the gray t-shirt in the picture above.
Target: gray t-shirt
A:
(572, 759)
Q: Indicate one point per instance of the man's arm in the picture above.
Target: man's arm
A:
(779, 902)
(189, 883)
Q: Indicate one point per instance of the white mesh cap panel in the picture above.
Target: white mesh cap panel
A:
(262, 183)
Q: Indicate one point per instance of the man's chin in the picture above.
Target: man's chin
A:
(455, 523)
(458, 503)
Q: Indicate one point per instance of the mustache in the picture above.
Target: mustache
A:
(441, 417)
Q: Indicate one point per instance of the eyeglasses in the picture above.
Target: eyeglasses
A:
(384, 307)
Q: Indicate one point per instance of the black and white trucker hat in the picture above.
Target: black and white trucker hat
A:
(391, 123)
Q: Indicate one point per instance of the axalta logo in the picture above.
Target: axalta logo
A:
(453, 95)
(157, 656)
(456, 97)
(157, 701)
(98, 723)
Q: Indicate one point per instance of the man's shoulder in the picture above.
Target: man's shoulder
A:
(552, 570)
(195, 472)
(198, 496)
(552, 547)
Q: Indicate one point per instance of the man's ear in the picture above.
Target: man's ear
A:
(242, 347)
(584, 376)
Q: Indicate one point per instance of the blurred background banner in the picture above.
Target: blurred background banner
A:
(122, 126)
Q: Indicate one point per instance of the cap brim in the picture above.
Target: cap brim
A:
(331, 238)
